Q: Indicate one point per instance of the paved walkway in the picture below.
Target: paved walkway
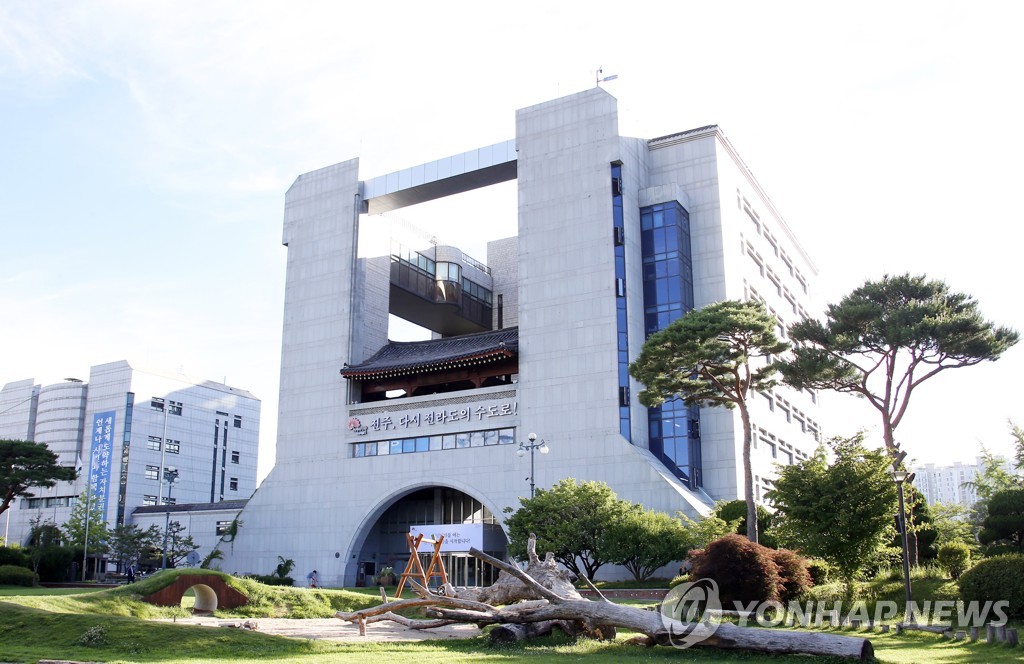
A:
(333, 629)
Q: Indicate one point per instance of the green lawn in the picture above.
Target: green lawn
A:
(80, 627)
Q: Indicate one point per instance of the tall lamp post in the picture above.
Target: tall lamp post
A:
(532, 445)
(170, 474)
(899, 477)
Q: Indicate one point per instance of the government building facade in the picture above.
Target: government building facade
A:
(617, 237)
(145, 441)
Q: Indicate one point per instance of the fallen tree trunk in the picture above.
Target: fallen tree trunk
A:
(593, 616)
(508, 588)
(522, 631)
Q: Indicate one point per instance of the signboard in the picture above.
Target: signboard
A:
(457, 536)
(398, 422)
(100, 457)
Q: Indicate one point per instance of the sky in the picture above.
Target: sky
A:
(146, 147)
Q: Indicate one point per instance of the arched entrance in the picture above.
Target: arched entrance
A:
(465, 521)
(210, 590)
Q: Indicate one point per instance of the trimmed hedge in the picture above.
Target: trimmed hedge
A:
(13, 575)
(272, 579)
(13, 555)
(995, 579)
(954, 558)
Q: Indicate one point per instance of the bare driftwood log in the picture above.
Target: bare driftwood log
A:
(594, 615)
(508, 588)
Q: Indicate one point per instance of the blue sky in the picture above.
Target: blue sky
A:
(145, 149)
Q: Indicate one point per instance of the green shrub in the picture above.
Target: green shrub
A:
(272, 579)
(884, 561)
(737, 509)
(793, 570)
(995, 579)
(744, 571)
(15, 575)
(682, 578)
(54, 562)
(820, 570)
(11, 555)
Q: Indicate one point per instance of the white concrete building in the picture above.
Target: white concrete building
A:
(617, 237)
(125, 425)
(947, 483)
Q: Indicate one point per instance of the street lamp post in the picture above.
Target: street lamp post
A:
(532, 445)
(170, 474)
(900, 476)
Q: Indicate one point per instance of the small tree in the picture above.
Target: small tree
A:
(643, 540)
(952, 524)
(570, 520)
(709, 357)
(128, 543)
(1005, 521)
(736, 510)
(88, 512)
(840, 511)
(284, 567)
(44, 538)
(178, 547)
(707, 529)
(994, 476)
(25, 465)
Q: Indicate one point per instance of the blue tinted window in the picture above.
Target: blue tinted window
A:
(668, 294)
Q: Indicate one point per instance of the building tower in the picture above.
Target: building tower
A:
(616, 238)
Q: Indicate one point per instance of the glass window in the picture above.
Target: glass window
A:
(152, 472)
(408, 445)
(396, 447)
(476, 439)
(491, 437)
(435, 443)
(358, 450)
(423, 444)
(507, 436)
(462, 440)
(448, 442)
(383, 448)
(233, 484)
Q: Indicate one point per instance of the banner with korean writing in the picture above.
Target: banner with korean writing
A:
(101, 457)
(457, 536)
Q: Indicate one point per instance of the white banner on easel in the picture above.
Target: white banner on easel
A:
(457, 536)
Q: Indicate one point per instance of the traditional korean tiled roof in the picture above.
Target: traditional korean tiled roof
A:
(400, 358)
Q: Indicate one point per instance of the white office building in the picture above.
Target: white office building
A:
(949, 483)
(617, 237)
(126, 426)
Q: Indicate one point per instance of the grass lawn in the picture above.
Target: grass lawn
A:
(82, 627)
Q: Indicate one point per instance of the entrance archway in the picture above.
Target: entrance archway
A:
(433, 510)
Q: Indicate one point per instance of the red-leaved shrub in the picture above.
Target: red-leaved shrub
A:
(795, 572)
(744, 571)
